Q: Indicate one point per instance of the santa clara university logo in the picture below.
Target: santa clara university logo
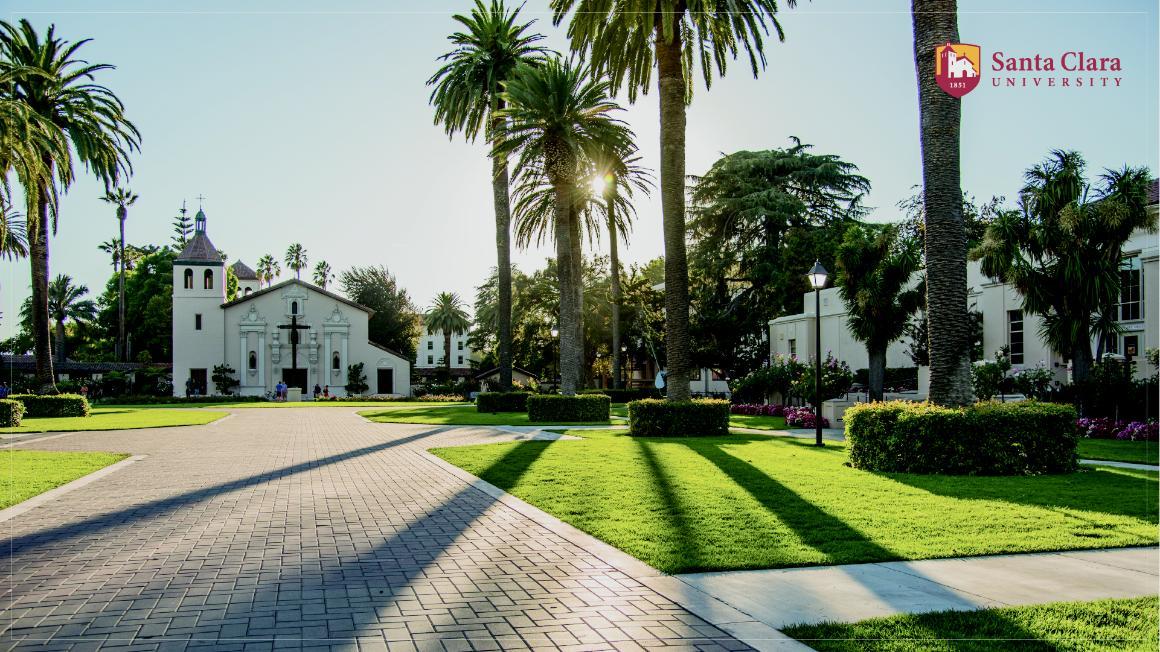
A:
(957, 67)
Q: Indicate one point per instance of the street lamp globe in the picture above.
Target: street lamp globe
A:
(817, 276)
(555, 332)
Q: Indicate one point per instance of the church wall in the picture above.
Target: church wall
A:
(195, 348)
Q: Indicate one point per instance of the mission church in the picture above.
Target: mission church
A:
(293, 331)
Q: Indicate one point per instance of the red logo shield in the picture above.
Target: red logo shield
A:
(957, 68)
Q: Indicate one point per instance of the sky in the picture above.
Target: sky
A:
(309, 122)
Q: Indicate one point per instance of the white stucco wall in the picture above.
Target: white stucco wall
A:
(192, 348)
(431, 345)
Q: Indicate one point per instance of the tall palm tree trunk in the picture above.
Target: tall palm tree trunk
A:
(38, 257)
(447, 353)
(569, 310)
(671, 84)
(876, 370)
(60, 341)
(576, 243)
(503, 249)
(121, 352)
(936, 23)
(614, 276)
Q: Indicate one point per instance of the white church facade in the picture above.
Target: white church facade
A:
(293, 331)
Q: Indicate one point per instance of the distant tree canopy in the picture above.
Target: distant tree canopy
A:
(149, 305)
(395, 324)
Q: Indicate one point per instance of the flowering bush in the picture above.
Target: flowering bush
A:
(1106, 428)
(1034, 382)
(803, 417)
(778, 377)
(755, 409)
(836, 380)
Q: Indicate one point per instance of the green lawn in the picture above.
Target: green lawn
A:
(24, 474)
(758, 422)
(1141, 452)
(272, 404)
(1088, 626)
(453, 416)
(111, 418)
(752, 501)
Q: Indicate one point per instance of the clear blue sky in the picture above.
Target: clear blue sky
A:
(309, 122)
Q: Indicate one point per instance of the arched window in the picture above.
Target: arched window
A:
(253, 361)
(189, 279)
(208, 279)
(335, 362)
(248, 291)
(293, 307)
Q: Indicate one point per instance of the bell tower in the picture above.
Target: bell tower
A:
(199, 290)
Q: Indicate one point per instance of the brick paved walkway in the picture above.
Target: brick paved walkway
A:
(310, 528)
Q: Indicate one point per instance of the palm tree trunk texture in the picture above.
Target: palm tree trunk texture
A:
(60, 341)
(503, 249)
(38, 257)
(576, 243)
(935, 23)
(876, 370)
(447, 353)
(121, 291)
(614, 276)
(671, 84)
(569, 310)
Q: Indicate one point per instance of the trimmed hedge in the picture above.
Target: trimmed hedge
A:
(626, 395)
(11, 412)
(657, 418)
(502, 402)
(553, 408)
(53, 405)
(983, 439)
(182, 400)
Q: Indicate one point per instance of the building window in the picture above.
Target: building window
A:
(1015, 335)
(430, 345)
(188, 279)
(460, 346)
(793, 347)
(1130, 289)
(430, 359)
(207, 279)
(253, 361)
(293, 307)
(696, 375)
(460, 360)
(335, 361)
(1131, 346)
(197, 322)
(248, 291)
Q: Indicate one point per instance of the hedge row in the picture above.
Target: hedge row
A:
(983, 439)
(166, 400)
(11, 412)
(502, 402)
(626, 395)
(553, 408)
(657, 418)
(53, 405)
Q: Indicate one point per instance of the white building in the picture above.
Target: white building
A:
(430, 351)
(253, 334)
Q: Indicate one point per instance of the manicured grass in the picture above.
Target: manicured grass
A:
(111, 418)
(24, 474)
(1129, 624)
(453, 416)
(758, 422)
(1140, 452)
(752, 501)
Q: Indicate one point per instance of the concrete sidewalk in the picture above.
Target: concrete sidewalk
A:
(779, 598)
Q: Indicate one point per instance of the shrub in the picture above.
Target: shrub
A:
(223, 379)
(988, 375)
(502, 402)
(656, 418)
(11, 412)
(175, 400)
(761, 383)
(53, 405)
(1106, 428)
(983, 439)
(626, 395)
(759, 410)
(553, 408)
(439, 398)
(897, 379)
(803, 417)
(356, 380)
(836, 380)
(1034, 382)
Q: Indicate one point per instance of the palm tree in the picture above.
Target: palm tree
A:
(560, 120)
(446, 314)
(122, 198)
(66, 302)
(467, 98)
(625, 39)
(58, 88)
(13, 236)
(296, 259)
(874, 276)
(268, 270)
(322, 274)
(936, 23)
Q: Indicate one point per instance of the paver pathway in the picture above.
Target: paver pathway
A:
(310, 527)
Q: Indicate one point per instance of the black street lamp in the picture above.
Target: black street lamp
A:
(817, 278)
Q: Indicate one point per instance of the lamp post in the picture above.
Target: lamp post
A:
(556, 357)
(817, 278)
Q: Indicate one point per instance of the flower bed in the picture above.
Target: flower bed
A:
(758, 410)
(1107, 428)
(802, 417)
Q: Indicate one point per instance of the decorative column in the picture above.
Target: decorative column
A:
(262, 358)
(244, 360)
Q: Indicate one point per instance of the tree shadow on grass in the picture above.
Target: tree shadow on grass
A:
(681, 541)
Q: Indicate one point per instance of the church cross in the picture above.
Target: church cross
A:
(293, 327)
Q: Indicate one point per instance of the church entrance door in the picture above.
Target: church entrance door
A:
(386, 381)
(295, 378)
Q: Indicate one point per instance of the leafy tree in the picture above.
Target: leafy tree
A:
(50, 82)
(356, 380)
(149, 298)
(625, 40)
(394, 323)
(446, 314)
(875, 272)
(231, 284)
(268, 270)
(13, 233)
(1063, 250)
(976, 217)
(223, 378)
(182, 229)
(936, 23)
(759, 220)
(296, 259)
(66, 302)
(322, 274)
(122, 198)
(559, 118)
(467, 99)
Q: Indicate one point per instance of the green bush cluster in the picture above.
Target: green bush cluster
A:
(493, 402)
(166, 400)
(626, 395)
(553, 408)
(53, 405)
(759, 384)
(11, 412)
(983, 439)
(656, 418)
(898, 378)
